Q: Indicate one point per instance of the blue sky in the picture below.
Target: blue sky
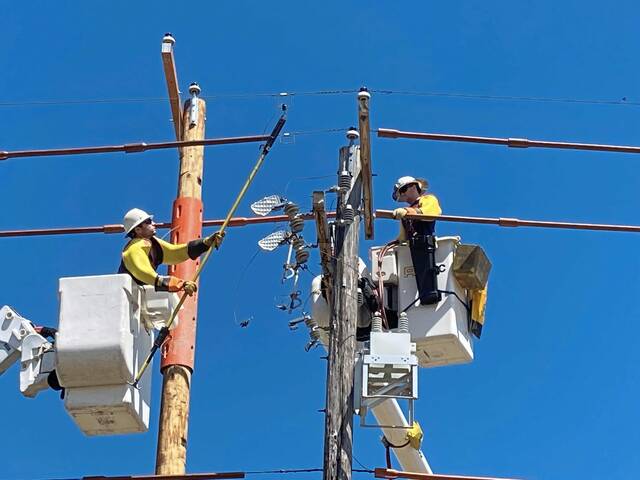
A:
(553, 391)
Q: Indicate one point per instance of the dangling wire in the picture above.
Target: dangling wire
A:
(164, 332)
(244, 323)
(381, 253)
(299, 179)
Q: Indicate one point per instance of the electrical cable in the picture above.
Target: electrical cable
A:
(300, 470)
(129, 147)
(507, 142)
(243, 323)
(450, 292)
(317, 131)
(473, 96)
(380, 214)
(360, 463)
(92, 101)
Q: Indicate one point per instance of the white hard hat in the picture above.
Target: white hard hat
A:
(404, 181)
(133, 218)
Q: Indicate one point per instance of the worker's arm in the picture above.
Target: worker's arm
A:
(136, 260)
(173, 253)
(429, 205)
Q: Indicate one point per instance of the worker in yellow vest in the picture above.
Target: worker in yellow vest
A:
(414, 192)
(144, 253)
(419, 233)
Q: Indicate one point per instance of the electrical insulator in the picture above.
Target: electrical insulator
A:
(302, 256)
(296, 224)
(291, 209)
(376, 322)
(348, 214)
(310, 322)
(315, 332)
(352, 134)
(403, 323)
(194, 90)
(344, 181)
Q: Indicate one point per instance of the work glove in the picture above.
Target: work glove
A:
(399, 213)
(189, 287)
(214, 240)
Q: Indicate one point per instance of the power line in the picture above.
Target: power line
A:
(94, 101)
(129, 147)
(382, 132)
(381, 214)
(508, 142)
(301, 470)
(337, 92)
(473, 96)
(322, 130)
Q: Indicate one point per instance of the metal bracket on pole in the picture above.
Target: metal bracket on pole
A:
(388, 370)
(194, 90)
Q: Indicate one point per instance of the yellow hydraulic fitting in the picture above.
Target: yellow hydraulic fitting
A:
(415, 436)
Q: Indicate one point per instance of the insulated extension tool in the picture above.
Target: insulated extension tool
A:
(164, 332)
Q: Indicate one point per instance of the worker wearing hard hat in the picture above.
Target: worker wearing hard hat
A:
(419, 233)
(414, 192)
(143, 254)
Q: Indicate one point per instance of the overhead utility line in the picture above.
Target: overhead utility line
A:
(475, 96)
(464, 96)
(90, 101)
(508, 142)
(130, 147)
(382, 214)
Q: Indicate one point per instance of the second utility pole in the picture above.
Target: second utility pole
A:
(179, 351)
(338, 441)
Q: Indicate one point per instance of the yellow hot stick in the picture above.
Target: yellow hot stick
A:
(165, 330)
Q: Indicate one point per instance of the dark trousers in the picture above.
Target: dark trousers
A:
(423, 256)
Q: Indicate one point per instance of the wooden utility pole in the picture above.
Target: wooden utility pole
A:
(179, 351)
(365, 160)
(344, 318)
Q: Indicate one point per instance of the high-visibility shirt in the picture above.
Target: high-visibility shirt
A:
(426, 204)
(141, 257)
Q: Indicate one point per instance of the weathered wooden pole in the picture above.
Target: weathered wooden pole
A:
(344, 318)
(365, 161)
(179, 350)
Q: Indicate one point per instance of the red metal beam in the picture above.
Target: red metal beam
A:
(509, 142)
(186, 476)
(387, 214)
(390, 473)
(514, 222)
(130, 147)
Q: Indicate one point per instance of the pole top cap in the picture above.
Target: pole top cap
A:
(168, 38)
(364, 92)
(194, 88)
